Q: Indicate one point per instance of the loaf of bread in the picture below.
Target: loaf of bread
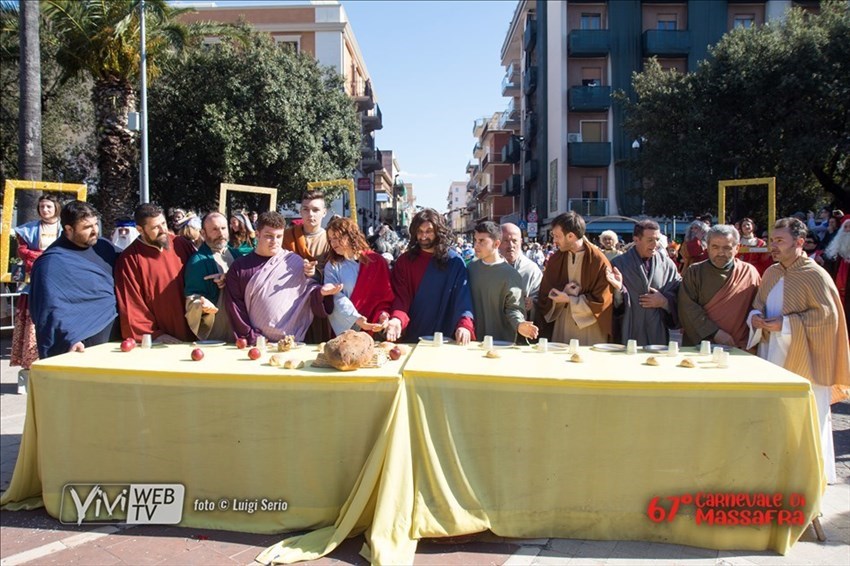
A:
(350, 350)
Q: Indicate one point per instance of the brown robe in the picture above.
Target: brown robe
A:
(594, 285)
(819, 349)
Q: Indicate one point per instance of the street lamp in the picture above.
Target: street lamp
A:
(636, 146)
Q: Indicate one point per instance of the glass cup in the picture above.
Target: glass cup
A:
(718, 353)
(438, 339)
(724, 359)
(705, 348)
(147, 341)
(574, 346)
(488, 342)
(631, 347)
(543, 344)
(261, 343)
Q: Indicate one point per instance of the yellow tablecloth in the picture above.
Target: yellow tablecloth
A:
(224, 427)
(532, 445)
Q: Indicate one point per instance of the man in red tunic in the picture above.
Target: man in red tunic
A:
(149, 281)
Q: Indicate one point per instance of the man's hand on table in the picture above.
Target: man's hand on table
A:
(78, 347)
(527, 329)
(462, 336)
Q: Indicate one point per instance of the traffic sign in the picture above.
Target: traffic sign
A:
(532, 229)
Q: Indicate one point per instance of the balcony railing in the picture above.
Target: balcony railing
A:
(507, 122)
(530, 125)
(477, 150)
(529, 37)
(589, 154)
(589, 206)
(491, 158)
(589, 42)
(512, 186)
(511, 150)
(530, 80)
(590, 98)
(666, 42)
(529, 171)
(510, 83)
(478, 126)
(472, 166)
(373, 121)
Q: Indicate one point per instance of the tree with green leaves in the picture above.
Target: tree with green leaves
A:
(253, 114)
(100, 38)
(771, 100)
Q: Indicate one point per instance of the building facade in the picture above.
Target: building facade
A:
(564, 59)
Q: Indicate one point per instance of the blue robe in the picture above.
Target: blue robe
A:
(442, 299)
(72, 296)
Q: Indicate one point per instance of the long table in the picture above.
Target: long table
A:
(450, 443)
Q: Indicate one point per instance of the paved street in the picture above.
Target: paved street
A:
(33, 537)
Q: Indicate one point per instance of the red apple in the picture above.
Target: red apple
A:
(254, 353)
(128, 345)
(197, 354)
(241, 343)
(395, 353)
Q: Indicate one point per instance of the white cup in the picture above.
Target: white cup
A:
(543, 344)
(147, 341)
(438, 339)
(631, 347)
(574, 346)
(673, 348)
(261, 343)
(705, 348)
(718, 353)
(488, 343)
(724, 359)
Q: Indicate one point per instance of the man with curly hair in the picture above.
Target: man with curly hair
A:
(430, 285)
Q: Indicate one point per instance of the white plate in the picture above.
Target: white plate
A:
(655, 348)
(609, 347)
(209, 343)
(499, 344)
(430, 340)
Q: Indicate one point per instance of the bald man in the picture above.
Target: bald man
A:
(511, 250)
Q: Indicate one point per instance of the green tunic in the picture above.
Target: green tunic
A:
(496, 300)
(700, 282)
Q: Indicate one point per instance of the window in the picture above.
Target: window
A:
(593, 130)
(667, 22)
(591, 76)
(590, 187)
(591, 21)
(292, 42)
(745, 21)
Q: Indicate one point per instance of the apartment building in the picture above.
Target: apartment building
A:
(322, 30)
(563, 60)
(456, 205)
(493, 182)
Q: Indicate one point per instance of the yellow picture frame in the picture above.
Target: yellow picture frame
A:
(771, 200)
(11, 188)
(224, 188)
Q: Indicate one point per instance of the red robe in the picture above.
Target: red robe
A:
(373, 294)
(149, 289)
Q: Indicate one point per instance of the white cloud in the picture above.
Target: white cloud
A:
(412, 175)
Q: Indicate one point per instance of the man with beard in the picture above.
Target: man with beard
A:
(575, 298)
(797, 323)
(204, 280)
(528, 270)
(715, 295)
(71, 312)
(430, 285)
(149, 280)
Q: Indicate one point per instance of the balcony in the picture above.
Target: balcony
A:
(472, 166)
(590, 98)
(511, 151)
(589, 43)
(589, 154)
(529, 171)
(529, 37)
(373, 121)
(491, 158)
(510, 117)
(530, 80)
(512, 186)
(510, 83)
(666, 43)
(478, 127)
(371, 163)
(530, 125)
(366, 101)
(589, 206)
(478, 150)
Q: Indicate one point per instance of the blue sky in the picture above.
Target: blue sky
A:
(435, 67)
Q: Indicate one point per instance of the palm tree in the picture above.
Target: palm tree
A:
(101, 38)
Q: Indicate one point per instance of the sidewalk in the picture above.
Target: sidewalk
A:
(33, 537)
